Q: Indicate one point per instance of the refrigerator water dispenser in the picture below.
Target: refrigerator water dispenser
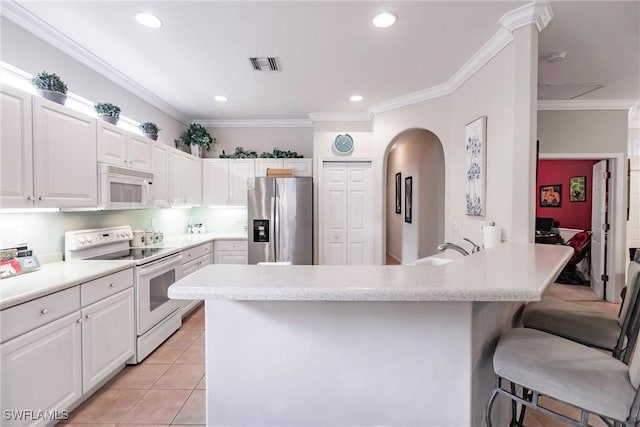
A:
(261, 230)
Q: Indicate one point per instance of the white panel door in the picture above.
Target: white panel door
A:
(192, 177)
(334, 213)
(599, 227)
(215, 181)
(112, 144)
(139, 152)
(176, 192)
(108, 337)
(16, 149)
(360, 214)
(41, 370)
(64, 152)
(240, 171)
(263, 164)
(633, 225)
(160, 169)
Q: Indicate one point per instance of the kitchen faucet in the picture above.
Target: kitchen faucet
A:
(475, 249)
(445, 246)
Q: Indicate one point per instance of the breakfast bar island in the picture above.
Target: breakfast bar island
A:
(363, 345)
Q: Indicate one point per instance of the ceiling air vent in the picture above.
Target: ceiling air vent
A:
(265, 64)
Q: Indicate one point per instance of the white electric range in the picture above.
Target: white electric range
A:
(156, 268)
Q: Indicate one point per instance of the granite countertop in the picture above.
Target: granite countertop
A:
(61, 275)
(54, 277)
(508, 272)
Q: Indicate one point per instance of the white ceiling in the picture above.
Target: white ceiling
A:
(329, 51)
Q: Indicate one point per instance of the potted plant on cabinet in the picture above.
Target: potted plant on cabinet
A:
(198, 138)
(108, 112)
(150, 130)
(50, 86)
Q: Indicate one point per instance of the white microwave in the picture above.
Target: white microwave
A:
(120, 188)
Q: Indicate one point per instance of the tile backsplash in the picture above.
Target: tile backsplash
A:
(44, 232)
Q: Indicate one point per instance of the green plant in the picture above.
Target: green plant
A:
(148, 127)
(48, 81)
(196, 134)
(240, 153)
(281, 154)
(107, 109)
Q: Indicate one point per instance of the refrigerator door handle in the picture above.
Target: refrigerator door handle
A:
(276, 227)
(272, 228)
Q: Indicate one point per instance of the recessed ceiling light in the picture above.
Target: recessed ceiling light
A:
(356, 98)
(384, 20)
(149, 20)
(221, 98)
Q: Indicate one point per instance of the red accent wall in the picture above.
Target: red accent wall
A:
(569, 214)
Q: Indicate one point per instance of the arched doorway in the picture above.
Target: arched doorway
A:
(415, 196)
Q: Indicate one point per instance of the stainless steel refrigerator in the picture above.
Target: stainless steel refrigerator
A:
(280, 218)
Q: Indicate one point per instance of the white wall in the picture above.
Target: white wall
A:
(298, 139)
(31, 54)
(416, 153)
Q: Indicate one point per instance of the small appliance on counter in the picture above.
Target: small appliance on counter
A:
(17, 260)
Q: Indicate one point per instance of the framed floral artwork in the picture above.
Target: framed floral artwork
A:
(578, 189)
(408, 190)
(398, 193)
(475, 134)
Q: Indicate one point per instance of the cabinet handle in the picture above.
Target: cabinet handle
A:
(41, 198)
(88, 316)
(112, 285)
(44, 311)
(79, 320)
(31, 198)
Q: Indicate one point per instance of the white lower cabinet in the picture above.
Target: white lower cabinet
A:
(194, 259)
(108, 337)
(41, 370)
(51, 365)
(230, 252)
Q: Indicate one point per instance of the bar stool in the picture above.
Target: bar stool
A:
(586, 326)
(587, 379)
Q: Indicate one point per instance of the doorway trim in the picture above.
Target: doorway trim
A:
(617, 237)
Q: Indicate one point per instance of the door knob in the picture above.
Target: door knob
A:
(31, 198)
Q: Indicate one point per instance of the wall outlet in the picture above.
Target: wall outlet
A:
(505, 234)
(454, 226)
(153, 223)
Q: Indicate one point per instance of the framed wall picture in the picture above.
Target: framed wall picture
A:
(475, 134)
(551, 196)
(398, 193)
(578, 189)
(408, 188)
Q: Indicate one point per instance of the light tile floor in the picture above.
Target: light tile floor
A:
(167, 389)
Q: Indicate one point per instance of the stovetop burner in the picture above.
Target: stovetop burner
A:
(133, 253)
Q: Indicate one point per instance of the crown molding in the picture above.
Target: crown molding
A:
(341, 117)
(590, 104)
(36, 26)
(536, 13)
(255, 123)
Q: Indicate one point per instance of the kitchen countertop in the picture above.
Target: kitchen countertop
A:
(511, 271)
(61, 275)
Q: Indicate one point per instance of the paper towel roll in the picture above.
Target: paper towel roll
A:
(492, 236)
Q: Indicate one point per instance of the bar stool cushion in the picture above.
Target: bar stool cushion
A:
(573, 321)
(566, 371)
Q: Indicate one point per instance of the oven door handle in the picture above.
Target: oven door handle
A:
(163, 265)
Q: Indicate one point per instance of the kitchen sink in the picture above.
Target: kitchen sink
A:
(431, 260)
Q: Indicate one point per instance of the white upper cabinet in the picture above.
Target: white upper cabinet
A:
(185, 178)
(224, 181)
(118, 147)
(303, 167)
(64, 156)
(16, 149)
(160, 169)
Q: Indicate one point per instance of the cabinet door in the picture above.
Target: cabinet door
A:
(112, 144)
(176, 193)
(192, 180)
(230, 257)
(64, 147)
(215, 181)
(108, 337)
(303, 167)
(139, 152)
(16, 149)
(41, 370)
(240, 171)
(160, 169)
(263, 164)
